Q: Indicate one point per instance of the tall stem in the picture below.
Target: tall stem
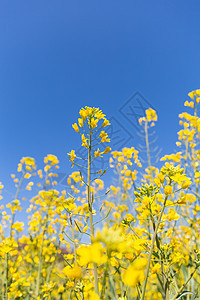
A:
(40, 259)
(90, 209)
(16, 197)
(6, 277)
(73, 238)
(158, 244)
(148, 150)
(147, 144)
(151, 250)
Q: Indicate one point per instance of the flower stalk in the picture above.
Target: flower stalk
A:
(90, 208)
(151, 250)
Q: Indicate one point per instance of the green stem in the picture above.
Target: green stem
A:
(104, 280)
(148, 149)
(147, 144)
(151, 250)
(165, 284)
(90, 209)
(159, 248)
(6, 277)
(73, 238)
(16, 197)
(40, 259)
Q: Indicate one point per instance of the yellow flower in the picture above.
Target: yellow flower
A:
(84, 141)
(113, 239)
(174, 157)
(156, 268)
(52, 159)
(92, 253)
(127, 173)
(7, 245)
(80, 122)
(19, 167)
(141, 120)
(189, 104)
(36, 260)
(74, 272)
(90, 110)
(98, 114)
(157, 182)
(197, 174)
(172, 215)
(168, 190)
(108, 149)
(151, 115)
(129, 217)
(72, 156)
(161, 177)
(18, 226)
(104, 137)
(83, 113)
(70, 284)
(29, 161)
(97, 153)
(105, 123)
(75, 126)
(194, 93)
(191, 95)
(182, 180)
(186, 184)
(135, 272)
(61, 289)
(93, 122)
(27, 175)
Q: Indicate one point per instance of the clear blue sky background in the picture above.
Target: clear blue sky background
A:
(57, 56)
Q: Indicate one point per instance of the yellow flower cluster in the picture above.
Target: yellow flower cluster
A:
(150, 116)
(138, 240)
(90, 117)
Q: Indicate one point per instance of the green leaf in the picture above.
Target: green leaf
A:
(184, 294)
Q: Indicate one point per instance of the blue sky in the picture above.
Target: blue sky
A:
(58, 56)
